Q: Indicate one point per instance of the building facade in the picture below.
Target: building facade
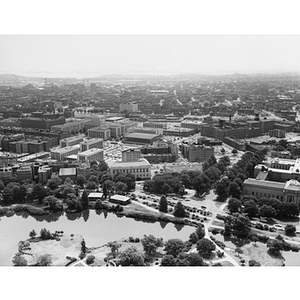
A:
(131, 155)
(140, 169)
(62, 153)
(90, 155)
(91, 143)
(99, 132)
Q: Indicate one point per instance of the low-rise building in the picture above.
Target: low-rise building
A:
(119, 199)
(95, 196)
(140, 138)
(65, 173)
(141, 169)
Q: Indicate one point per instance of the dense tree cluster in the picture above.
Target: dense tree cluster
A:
(131, 257)
(205, 247)
(232, 183)
(238, 225)
(183, 260)
(200, 181)
(263, 207)
(151, 243)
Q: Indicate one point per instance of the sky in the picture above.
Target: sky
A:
(92, 55)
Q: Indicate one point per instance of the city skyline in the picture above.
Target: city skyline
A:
(96, 55)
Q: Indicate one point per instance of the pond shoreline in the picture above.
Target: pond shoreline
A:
(137, 214)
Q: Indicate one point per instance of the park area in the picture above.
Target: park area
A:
(56, 249)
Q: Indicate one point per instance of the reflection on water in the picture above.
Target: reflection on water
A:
(178, 226)
(97, 227)
(86, 215)
(73, 216)
(163, 224)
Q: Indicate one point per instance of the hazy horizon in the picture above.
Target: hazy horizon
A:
(82, 56)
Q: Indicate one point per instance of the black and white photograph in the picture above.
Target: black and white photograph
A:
(158, 150)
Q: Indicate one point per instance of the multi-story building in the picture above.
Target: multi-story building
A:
(24, 173)
(44, 173)
(114, 128)
(277, 133)
(102, 132)
(286, 192)
(41, 123)
(197, 153)
(184, 132)
(71, 141)
(91, 143)
(130, 107)
(160, 152)
(62, 153)
(278, 179)
(155, 125)
(83, 169)
(90, 155)
(93, 120)
(133, 154)
(71, 126)
(140, 169)
(32, 157)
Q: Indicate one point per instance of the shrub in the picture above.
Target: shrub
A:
(3, 210)
(136, 240)
(290, 230)
(220, 244)
(45, 234)
(99, 205)
(253, 263)
(131, 239)
(263, 238)
(90, 259)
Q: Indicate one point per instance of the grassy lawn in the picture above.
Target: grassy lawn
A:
(259, 253)
(58, 250)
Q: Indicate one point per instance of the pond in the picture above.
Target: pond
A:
(96, 226)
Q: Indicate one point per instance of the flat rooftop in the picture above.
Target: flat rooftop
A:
(91, 151)
(264, 183)
(65, 149)
(119, 198)
(141, 135)
(95, 195)
(140, 162)
(67, 171)
(90, 141)
(113, 119)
